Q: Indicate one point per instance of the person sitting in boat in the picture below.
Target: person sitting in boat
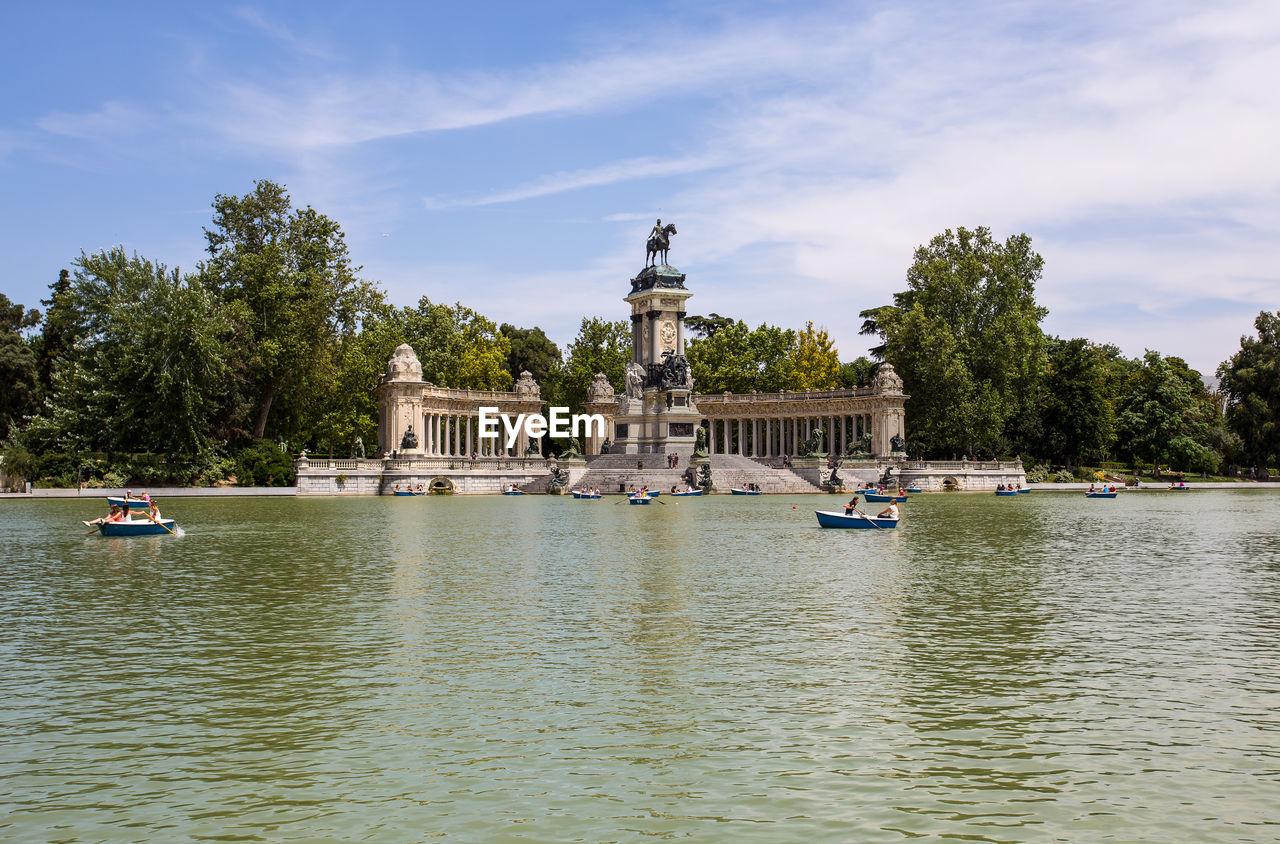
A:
(1089, 491)
(112, 516)
(890, 512)
(153, 510)
(673, 489)
(125, 516)
(852, 507)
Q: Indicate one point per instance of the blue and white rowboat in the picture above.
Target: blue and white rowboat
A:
(579, 494)
(687, 494)
(1006, 492)
(833, 519)
(134, 503)
(877, 498)
(1101, 494)
(135, 528)
(737, 491)
(639, 499)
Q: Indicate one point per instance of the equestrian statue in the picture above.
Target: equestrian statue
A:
(659, 242)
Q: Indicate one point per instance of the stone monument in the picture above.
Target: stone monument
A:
(656, 414)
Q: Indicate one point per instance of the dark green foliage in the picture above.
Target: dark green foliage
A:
(261, 463)
(740, 360)
(1077, 409)
(287, 285)
(601, 346)
(1250, 382)
(1167, 416)
(857, 373)
(19, 376)
(707, 326)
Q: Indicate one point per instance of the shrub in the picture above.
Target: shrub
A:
(1036, 474)
(262, 464)
(1063, 477)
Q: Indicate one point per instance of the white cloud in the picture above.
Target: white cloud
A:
(113, 118)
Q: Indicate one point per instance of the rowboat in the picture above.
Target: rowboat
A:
(877, 498)
(639, 499)
(1006, 492)
(871, 490)
(686, 494)
(834, 519)
(1022, 491)
(514, 492)
(1182, 488)
(133, 528)
(737, 491)
(134, 503)
(911, 490)
(1101, 494)
(579, 494)
(407, 492)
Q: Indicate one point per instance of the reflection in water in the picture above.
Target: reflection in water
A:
(499, 667)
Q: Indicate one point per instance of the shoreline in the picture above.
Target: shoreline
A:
(292, 492)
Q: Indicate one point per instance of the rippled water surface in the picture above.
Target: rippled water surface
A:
(496, 668)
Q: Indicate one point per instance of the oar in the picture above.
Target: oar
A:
(148, 515)
(868, 518)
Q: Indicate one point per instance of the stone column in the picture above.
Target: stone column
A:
(680, 332)
(725, 423)
(470, 445)
(655, 347)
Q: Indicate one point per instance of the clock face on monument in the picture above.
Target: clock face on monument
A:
(668, 335)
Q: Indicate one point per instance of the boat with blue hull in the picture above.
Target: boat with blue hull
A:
(1101, 494)
(639, 499)
(587, 495)
(912, 490)
(406, 492)
(514, 492)
(736, 491)
(878, 498)
(136, 504)
(1022, 491)
(135, 528)
(688, 494)
(833, 519)
(1010, 492)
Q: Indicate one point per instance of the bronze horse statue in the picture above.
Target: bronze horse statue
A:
(659, 242)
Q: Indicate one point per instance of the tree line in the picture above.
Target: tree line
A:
(136, 373)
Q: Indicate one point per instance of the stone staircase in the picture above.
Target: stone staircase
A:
(735, 470)
(609, 471)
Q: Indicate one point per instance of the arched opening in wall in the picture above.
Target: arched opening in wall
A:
(441, 486)
(950, 484)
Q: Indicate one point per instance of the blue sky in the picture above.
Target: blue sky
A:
(514, 156)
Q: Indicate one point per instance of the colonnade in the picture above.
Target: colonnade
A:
(458, 435)
(753, 436)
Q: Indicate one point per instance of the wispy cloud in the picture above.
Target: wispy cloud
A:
(112, 119)
(619, 171)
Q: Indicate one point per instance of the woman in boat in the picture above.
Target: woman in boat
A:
(153, 510)
(112, 516)
(1089, 491)
(852, 507)
(890, 512)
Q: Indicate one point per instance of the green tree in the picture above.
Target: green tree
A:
(533, 352)
(1250, 382)
(600, 346)
(815, 361)
(965, 337)
(1077, 409)
(59, 331)
(706, 326)
(457, 346)
(19, 374)
(150, 365)
(1167, 416)
(287, 281)
(856, 373)
(740, 360)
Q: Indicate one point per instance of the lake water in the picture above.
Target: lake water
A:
(503, 669)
